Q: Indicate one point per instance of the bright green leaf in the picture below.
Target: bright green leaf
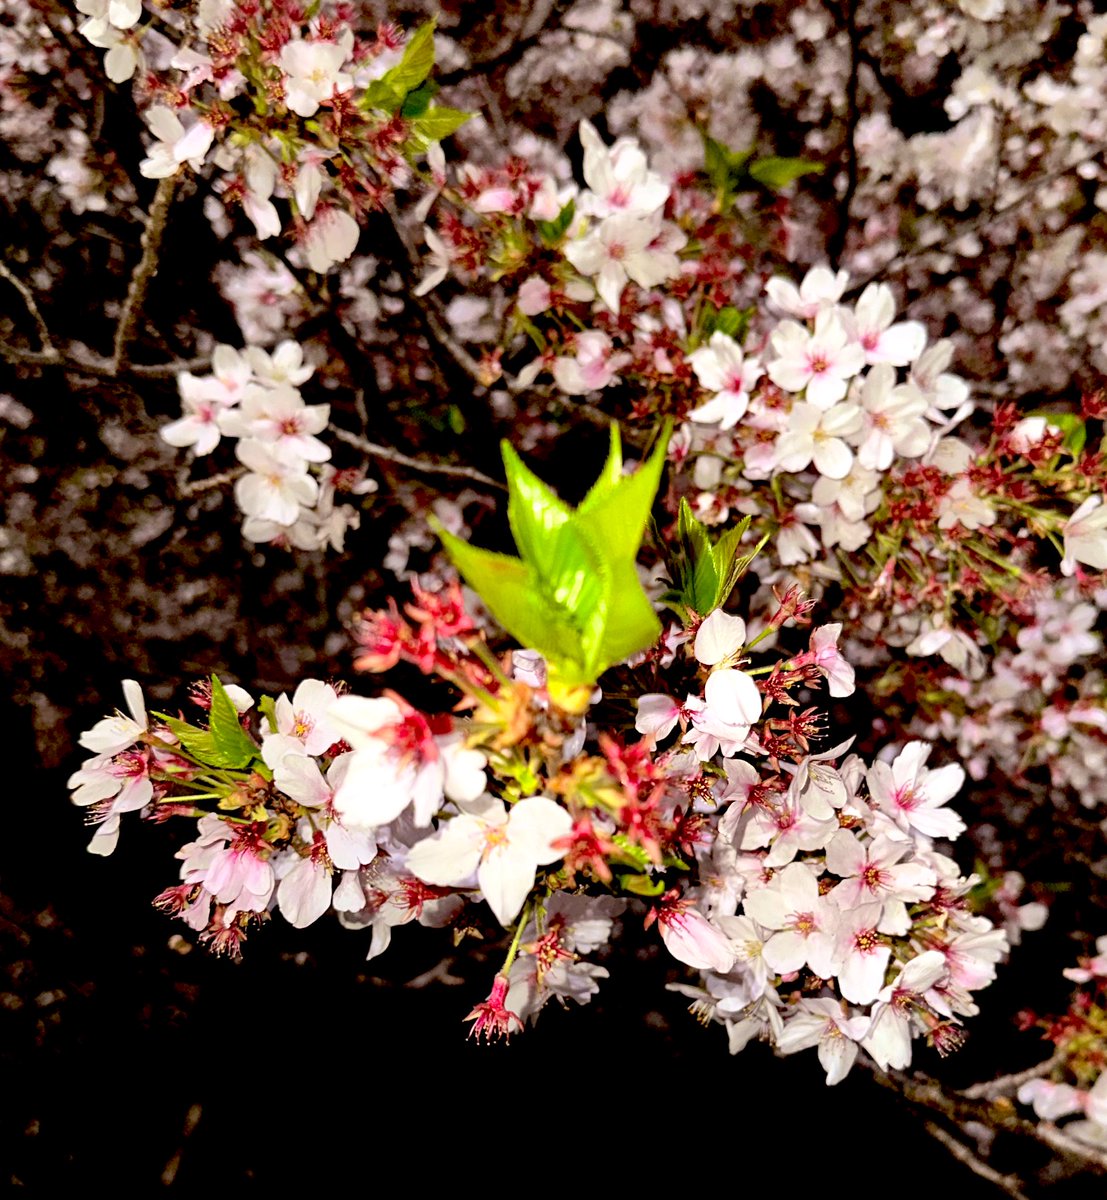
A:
(641, 885)
(776, 173)
(380, 95)
(439, 123)
(416, 103)
(574, 593)
(417, 62)
(268, 709)
(509, 588)
(553, 231)
(233, 744)
(1071, 425)
(705, 573)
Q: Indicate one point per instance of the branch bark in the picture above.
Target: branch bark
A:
(144, 271)
(32, 308)
(425, 466)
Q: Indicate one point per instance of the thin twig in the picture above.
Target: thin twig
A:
(32, 308)
(927, 1092)
(194, 487)
(1005, 1085)
(145, 269)
(424, 465)
(434, 317)
(80, 362)
(1011, 1184)
(440, 973)
(173, 1166)
(160, 370)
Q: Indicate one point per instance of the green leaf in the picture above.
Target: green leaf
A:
(635, 855)
(417, 62)
(776, 173)
(417, 102)
(725, 167)
(235, 747)
(553, 231)
(381, 95)
(439, 123)
(617, 506)
(574, 593)
(268, 709)
(641, 885)
(705, 573)
(510, 589)
(198, 742)
(730, 563)
(734, 322)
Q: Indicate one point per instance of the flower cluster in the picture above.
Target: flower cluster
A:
(254, 396)
(1074, 1080)
(811, 894)
(287, 108)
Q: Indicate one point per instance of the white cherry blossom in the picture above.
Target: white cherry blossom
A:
(503, 848)
(722, 368)
(1085, 537)
(619, 178)
(819, 364)
(818, 436)
(870, 324)
(820, 288)
(914, 796)
(313, 72)
(893, 420)
(175, 144)
(331, 237)
(276, 485)
(619, 249)
(824, 1023)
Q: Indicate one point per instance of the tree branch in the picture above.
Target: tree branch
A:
(979, 222)
(1007, 1084)
(1011, 1184)
(83, 363)
(425, 466)
(32, 308)
(837, 241)
(999, 1114)
(434, 317)
(144, 271)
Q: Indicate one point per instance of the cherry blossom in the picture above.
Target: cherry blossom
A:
(722, 368)
(914, 796)
(277, 482)
(621, 249)
(819, 364)
(503, 847)
(870, 324)
(176, 145)
(313, 72)
(619, 178)
(804, 921)
(818, 436)
(824, 1023)
(692, 939)
(1085, 537)
(819, 289)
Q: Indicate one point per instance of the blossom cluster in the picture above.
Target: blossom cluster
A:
(1074, 1081)
(810, 891)
(286, 108)
(254, 396)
